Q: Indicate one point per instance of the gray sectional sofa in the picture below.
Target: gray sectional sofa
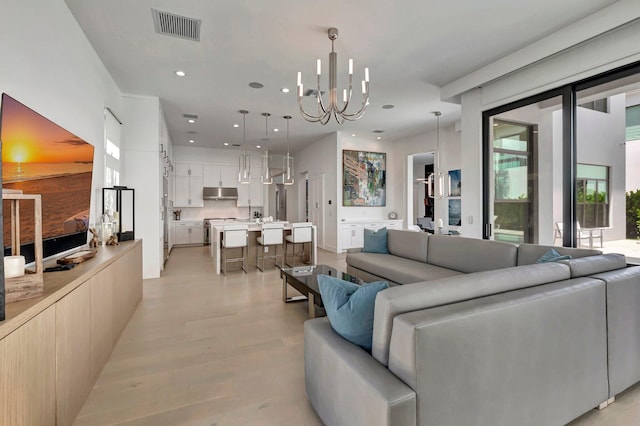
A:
(481, 334)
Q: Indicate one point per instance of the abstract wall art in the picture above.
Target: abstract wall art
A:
(364, 178)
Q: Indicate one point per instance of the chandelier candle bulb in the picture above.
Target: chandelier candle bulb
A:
(344, 95)
(300, 90)
(319, 67)
(350, 66)
(366, 75)
(364, 87)
(299, 79)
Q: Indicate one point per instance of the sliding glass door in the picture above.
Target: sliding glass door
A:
(562, 164)
(521, 161)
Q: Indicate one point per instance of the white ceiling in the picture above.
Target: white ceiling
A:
(411, 47)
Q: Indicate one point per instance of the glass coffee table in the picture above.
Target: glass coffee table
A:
(305, 280)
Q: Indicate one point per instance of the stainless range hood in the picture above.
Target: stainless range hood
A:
(219, 193)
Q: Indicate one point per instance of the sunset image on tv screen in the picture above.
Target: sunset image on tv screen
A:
(40, 157)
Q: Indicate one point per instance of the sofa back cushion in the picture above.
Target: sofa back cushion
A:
(412, 245)
(528, 254)
(470, 254)
(427, 294)
(585, 266)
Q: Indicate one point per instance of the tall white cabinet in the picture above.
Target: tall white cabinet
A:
(188, 183)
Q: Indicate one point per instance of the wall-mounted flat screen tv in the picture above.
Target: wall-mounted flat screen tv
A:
(40, 157)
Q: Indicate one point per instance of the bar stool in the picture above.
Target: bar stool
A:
(271, 236)
(234, 236)
(300, 233)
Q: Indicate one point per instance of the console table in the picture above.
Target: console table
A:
(53, 347)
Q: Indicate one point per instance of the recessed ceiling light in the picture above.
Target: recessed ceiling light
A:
(226, 144)
(258, 146)
(256, 85)
(353, 134)
(180, 73)
(191, 120)
(191, 141)
(236, 125)
(276, 130)
(379, 137)
(388, 106)
(285, 90)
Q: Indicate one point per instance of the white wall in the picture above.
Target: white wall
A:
(318, 159)
(141, 170)
(48, 64)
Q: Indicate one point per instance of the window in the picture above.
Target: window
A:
(593, 196)
(633, 123)
(111, 156)
(601, 105)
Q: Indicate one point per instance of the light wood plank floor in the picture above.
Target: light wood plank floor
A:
(203, 349)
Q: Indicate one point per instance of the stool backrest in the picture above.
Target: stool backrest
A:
(235, 236)
(272, 233)
(301, 232)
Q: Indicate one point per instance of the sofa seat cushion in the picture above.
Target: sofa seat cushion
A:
(397, 269)
(398, 300)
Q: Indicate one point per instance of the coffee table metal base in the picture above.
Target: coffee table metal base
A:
(309, 296)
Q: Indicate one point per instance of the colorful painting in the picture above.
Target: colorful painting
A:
(455, 212)
(455, 183)
(364, 178)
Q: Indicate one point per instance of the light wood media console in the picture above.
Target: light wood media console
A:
(53, 347)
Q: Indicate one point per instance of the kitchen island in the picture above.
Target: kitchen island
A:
(254, 232)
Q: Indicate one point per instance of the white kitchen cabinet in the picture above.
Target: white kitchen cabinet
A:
(251, 194)
(352, 232)
(352, 236)
(188, 185)
(220, 175)
(188, 233)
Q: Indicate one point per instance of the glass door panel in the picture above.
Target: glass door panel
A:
(607, 172)
(525, 178)
(512, 205)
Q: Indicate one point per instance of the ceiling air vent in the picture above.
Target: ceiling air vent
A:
(175, 25)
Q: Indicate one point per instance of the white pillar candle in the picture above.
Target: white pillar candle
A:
(13, 266)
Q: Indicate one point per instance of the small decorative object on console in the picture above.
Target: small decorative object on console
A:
(393, 215)
(112, 241)
(93, 243)
(77, 257)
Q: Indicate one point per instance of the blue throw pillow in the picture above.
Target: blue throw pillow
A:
(350, 307)
(375, 241)
(552, 256)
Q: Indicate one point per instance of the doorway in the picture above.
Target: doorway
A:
(315, 205)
